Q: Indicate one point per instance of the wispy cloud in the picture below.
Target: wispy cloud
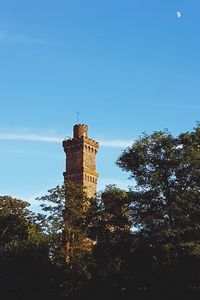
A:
(4, 36)
(56, 139)
(30, 137)
(116, 143)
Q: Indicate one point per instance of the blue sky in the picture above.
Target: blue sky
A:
(130, 66)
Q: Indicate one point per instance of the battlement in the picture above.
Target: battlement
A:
(81, 142)
(80, 137)
(91, 142)
(81, 159)
(80, 130)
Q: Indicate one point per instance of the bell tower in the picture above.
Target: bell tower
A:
(81, 159)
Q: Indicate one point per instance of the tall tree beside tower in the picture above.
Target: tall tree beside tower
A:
(166, 205)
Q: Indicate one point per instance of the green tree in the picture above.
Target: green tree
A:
(66, 217)
(24, 251)
(93, 239)
(66, 210)
(14, 219)
(112, 231)
(166, 202)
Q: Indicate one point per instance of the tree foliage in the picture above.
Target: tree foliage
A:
(24, 249)
(166, 201)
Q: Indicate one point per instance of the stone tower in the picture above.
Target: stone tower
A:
(81, 159)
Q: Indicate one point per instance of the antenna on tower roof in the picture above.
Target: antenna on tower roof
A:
(77, 115)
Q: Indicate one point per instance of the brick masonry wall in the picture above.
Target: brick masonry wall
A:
(81, 159)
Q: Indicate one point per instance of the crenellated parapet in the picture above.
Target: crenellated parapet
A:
(81, 159)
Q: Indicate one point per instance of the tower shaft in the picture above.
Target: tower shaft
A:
(81, 160)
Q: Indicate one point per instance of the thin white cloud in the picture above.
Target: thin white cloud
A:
(4, 36)
(30, 137)
(116, 143)
(55, 139)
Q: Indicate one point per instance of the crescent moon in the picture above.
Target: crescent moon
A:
(178, 14)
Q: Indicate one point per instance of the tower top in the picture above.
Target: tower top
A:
(80, 130)
(81, 159)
